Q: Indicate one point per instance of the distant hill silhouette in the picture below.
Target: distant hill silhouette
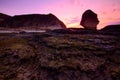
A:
(38, 21)
(112, 28)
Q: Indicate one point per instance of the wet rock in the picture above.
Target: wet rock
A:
(52, 57)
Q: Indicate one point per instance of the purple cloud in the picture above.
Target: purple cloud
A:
(73, 20)
(114, 23)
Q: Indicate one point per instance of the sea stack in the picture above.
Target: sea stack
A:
(89, 20)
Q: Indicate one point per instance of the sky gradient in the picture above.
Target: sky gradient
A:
(69, 11)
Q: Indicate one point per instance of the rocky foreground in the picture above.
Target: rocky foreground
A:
(54, 56)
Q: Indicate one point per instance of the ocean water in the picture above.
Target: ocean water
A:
(8, 31)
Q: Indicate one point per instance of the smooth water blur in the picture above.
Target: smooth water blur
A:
(7, 31)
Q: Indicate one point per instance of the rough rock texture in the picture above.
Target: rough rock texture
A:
(34, 21)
(89, 20)
(54, 56)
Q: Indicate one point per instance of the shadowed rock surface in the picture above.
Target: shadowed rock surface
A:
(3, 17)
(111, 29)
(56, 56)
(76, 31)
(89, 20)
(34, 21)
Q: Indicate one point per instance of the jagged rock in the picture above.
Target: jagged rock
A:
(89, 20)
(34, 21)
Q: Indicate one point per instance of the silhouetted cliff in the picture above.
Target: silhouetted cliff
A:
(3, 17)
(34, 21)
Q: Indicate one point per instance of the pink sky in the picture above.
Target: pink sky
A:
(69, 11)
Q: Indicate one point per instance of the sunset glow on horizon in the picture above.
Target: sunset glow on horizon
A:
(68, 11)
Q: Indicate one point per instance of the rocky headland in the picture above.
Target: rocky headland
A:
(33, 22)
(61, 53)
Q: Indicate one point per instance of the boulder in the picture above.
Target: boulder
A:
(89, 20)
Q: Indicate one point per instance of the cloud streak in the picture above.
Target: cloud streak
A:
(74, 1)
(73, 20)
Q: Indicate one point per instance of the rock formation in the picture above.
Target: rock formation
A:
(34, 21)
(112, 28)
(3, 17)
(89, 20)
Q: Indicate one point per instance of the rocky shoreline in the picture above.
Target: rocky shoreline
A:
(56, 56)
